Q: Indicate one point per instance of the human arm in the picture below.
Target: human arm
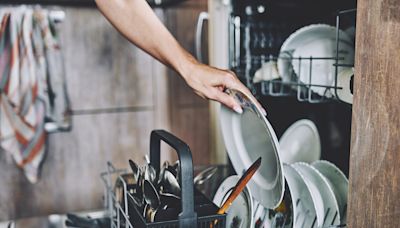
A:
(138, 23)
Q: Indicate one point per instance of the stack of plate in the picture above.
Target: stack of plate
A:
(315, 193)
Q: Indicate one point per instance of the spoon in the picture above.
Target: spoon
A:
(240, 186)
(205, 175)
(171, 183)
(135, 169)
(150, 194)
(162, 171)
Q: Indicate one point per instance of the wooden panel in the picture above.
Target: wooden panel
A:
(98, 59)
(104, 70)
(189, 112)
(70, 174)
(374, 163)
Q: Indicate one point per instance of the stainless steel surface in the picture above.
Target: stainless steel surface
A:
(203, 16)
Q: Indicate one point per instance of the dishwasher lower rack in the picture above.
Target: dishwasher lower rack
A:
(195, 208)
(120, 214)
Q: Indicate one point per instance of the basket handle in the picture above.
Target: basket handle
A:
(188, 217)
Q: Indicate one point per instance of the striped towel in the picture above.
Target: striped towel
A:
(22, 96)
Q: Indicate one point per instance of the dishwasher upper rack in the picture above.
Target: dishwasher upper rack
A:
(245, 67)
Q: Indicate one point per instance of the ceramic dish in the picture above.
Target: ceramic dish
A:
(240, 213)
(318, 41)
(247, 137)
(282, 216)
(339, 184)
(300, 143)
(344, 82)
(303, 207)
(322, 195)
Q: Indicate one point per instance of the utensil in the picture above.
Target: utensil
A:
(205, 175)
(338, 182)
(135, 169)
(171, 184)
(322, 195)
(241, 208)
(240, 186)
(150, 195)
(248, 136)
(162, 171)
(300, 143)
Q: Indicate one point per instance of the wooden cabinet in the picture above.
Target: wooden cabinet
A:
(374, 194)
(104, 71)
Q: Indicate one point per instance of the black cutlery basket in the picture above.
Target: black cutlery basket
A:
(196, 209)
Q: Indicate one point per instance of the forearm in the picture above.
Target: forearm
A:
(138, 23)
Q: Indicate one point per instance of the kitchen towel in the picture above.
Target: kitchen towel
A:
(27, 98)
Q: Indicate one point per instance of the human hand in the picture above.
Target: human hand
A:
(210, 83)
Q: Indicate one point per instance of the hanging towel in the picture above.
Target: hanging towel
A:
(59, 112)
(32, 86)
(22, 110)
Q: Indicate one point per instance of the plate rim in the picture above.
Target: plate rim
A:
(258, 192)
(302, 122)
(231, 182)
(301, 165)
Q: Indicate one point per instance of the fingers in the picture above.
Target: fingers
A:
(233, 83)
(226, 100)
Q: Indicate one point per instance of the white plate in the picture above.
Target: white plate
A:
(300, 143)
(318, 41)
(247, 137)
(242, 206)
(339, 184)
(303, 207)
(322, 195)
(344, 81)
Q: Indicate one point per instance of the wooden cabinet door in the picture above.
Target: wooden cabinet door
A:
(374, 194)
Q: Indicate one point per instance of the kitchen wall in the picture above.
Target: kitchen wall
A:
(106, 71)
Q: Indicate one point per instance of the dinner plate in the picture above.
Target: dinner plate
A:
(339, 184)
(300, 143)
(322, 195)
(240, 213)
(304, 214)
(344, 84)
(317, 41)
(247, 137)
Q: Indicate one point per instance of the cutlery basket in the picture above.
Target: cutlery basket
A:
(195, 209)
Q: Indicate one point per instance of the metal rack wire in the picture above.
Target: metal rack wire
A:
(117, 213)
(246, 64)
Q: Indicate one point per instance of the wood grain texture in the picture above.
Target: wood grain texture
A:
(374, 194)
(99, 59)
(189, 112)
(70, 174)
(103, 71)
